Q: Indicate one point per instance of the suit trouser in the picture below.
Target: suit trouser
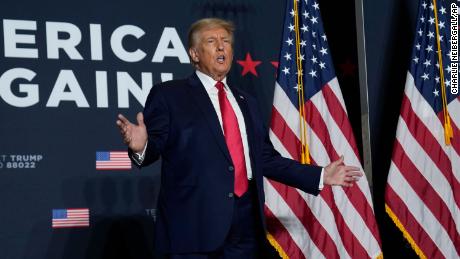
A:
(242, 241)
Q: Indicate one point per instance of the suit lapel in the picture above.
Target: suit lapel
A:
(202, 100)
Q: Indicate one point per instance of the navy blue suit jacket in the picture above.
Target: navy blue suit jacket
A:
(195, 204)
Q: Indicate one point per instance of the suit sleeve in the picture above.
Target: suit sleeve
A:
(156, 119)
(288, 171)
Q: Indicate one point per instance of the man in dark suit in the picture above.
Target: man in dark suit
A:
(215, 152)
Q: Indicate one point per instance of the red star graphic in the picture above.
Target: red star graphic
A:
(248, 65)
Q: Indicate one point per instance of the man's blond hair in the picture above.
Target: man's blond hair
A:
(205, 24)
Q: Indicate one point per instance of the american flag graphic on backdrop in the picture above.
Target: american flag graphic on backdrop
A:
(340, 222)
(112, 160)
(68, 218)
(423, 189)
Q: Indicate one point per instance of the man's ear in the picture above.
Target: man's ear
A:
(193, 55)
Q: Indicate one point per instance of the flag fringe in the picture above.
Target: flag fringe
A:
(406, 234)
(380, 256)
(277, 246)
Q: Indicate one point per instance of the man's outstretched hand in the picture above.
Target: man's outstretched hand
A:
(337, 173)
(135, 136)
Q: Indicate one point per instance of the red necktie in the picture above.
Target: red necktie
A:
(233, 140)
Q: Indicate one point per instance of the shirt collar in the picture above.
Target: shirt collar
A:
(208, 82)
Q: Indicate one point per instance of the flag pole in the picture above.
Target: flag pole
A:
(363, 88)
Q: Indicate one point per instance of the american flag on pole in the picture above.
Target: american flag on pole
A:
(112, 160)
(67, 218)
(423, 187)
(340, 222)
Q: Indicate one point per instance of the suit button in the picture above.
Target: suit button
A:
(231, 168)
(230, 195)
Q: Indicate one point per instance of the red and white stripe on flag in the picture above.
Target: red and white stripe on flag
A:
(112, 160)
(340, 222)
(423, 188)
(66, 218)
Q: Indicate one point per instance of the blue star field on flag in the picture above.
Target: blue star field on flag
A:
(424, 63)
(317, 66)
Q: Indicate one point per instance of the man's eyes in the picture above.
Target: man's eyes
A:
(214, 40)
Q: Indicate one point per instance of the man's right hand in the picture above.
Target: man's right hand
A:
(135, 136)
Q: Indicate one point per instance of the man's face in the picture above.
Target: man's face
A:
(213, 53)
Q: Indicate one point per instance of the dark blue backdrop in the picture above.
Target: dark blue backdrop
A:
(60, 140)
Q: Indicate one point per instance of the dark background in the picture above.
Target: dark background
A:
(122, 203)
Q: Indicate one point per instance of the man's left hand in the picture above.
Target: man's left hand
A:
(337, 173)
